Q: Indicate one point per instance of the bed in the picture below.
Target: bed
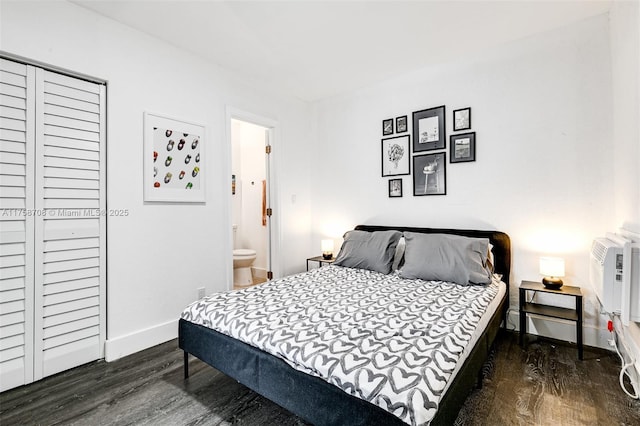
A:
(321, 373)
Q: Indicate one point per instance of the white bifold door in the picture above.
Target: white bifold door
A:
(53, 222)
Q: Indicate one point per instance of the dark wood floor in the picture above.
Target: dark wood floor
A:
(542, 385)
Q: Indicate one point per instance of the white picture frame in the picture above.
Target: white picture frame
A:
(174, 160)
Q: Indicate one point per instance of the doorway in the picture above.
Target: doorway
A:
(251, 212)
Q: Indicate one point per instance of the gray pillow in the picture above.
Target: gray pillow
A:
(368, 250)
(443, 257)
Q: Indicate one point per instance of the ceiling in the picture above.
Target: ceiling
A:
(317, 49)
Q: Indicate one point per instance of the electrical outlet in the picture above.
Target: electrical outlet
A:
(201, 291)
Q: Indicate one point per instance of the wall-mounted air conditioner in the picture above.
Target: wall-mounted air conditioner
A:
(605, 273)
(614, 275)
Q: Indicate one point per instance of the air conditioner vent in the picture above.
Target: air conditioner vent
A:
(599, 251)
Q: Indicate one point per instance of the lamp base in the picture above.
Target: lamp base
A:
(327, 256)
(552, 282)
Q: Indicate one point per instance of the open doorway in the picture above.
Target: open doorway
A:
(250, 202)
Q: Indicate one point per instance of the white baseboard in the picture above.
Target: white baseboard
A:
(560, 329)
(122, 346)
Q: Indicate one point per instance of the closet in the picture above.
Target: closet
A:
(52, 222)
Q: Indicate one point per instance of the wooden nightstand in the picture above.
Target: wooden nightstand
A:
(321, 261)
(550, 311)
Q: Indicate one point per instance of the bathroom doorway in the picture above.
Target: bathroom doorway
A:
(251, 201)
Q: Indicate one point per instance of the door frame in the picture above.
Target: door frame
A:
(272, 185)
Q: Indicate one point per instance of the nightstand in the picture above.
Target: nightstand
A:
(321, 261)
(550, 311)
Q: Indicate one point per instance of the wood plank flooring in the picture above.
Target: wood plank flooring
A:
(543, 384)
(546, 384)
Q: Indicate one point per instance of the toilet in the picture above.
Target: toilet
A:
(242, 261)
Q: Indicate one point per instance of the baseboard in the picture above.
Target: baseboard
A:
(122, 346)
(560, 330)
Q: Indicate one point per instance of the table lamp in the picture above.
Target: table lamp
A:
(327, 249)
(552, 268)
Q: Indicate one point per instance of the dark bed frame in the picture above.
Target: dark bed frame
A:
(319, 402)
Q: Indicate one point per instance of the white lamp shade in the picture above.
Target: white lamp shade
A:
(552, 266)
(327, 246)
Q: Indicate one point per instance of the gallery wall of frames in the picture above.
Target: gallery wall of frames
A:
(426, 153)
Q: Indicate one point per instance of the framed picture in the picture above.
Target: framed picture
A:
(461, 119)
(395, 156)
(401, 124)
(174, 164)
(429, 131)
(462, 147)
(395, 188)
(429, 174)
(387, 127)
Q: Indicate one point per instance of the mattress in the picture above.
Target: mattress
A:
(393, 342)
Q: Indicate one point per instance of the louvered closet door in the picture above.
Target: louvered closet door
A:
(16, 224)
(70, 234)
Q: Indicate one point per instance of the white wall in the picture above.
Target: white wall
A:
(160, 254)
(541, 110)
(625, 53)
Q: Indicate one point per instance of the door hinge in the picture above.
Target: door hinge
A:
(267, 149)
(269, 211)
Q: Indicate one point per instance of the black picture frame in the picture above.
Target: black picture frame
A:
(387, 127)
(401, 124)
(461, 119)
(395, 188)
(395, 156)
(430, 174)
(462, 147)
(429, 130)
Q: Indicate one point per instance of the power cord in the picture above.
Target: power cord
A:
(625, 366)
(511, 310)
